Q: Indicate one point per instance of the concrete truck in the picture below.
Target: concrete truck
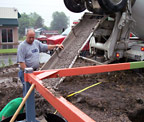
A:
(111, 41)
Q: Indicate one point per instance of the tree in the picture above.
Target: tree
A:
(27, 21)
(36, 20)
(60, 21)
(39, 23)
(33, 17)
(23, 23)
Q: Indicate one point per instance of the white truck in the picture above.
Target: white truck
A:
(111, 40)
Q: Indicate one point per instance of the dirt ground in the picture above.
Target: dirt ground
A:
(119, 98)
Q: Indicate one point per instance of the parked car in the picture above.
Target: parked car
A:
(42, 38)
(58, 39)
(44, 35)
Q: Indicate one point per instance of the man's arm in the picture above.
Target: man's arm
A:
(22, 65)
(50, 47)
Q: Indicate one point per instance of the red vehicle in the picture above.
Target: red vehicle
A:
(54, 39)
(44, 35)
(58, 39)
(42, 38)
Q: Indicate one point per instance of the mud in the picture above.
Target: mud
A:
(11, 87)
(119, 98)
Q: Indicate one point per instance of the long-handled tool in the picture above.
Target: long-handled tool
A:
(23, 102)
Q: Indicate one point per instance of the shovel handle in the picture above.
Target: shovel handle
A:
(23, 102)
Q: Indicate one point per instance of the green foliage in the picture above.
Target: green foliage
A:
(27, 21)
(39, 23)
(33, 20)
(33, 17)
(36, 20)
(46, 28)
(2, 64)
(22, 38)
(24, 22)
(60, 21)
(14, 50)
(10, 61)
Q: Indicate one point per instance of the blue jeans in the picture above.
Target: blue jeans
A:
(21, 76)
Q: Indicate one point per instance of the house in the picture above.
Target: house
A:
(8, 26)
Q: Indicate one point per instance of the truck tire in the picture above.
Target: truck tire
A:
(112, 6)
(94, 10)
(76, 6)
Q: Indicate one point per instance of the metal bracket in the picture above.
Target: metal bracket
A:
(126, 16)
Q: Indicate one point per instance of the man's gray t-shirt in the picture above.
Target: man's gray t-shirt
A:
(29, 53)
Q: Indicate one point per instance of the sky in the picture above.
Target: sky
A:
(44, 8)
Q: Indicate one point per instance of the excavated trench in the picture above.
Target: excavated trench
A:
(119, 98)
(137, 116)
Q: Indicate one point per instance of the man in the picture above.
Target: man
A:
(28, 53)
(10, 108)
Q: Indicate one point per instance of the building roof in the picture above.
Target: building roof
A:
(6, 12)
(8, 22)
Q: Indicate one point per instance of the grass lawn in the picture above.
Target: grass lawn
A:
(8, 50)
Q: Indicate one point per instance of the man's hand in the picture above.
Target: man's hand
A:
(51, 47)
(60, 46)
(22, 65)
